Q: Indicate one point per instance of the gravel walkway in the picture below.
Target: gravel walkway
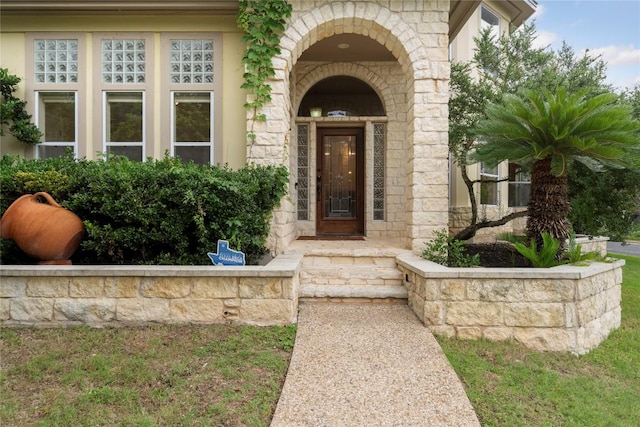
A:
(369, 365)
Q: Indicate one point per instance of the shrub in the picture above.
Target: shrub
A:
(448, 252)
(152, 212)
(546, 256)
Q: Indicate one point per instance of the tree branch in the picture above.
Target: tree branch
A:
(470, 231)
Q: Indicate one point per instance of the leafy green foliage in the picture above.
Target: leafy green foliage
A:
(551, 131)
(263, 22)
(545, 257)
(512, 64)
(604, 203)
(154, 212)
(448, 252)
(13, 112)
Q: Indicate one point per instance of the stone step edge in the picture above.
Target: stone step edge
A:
(353, 291)
(350, 252)
(347, 271)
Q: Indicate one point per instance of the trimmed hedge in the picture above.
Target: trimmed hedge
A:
(152, 212)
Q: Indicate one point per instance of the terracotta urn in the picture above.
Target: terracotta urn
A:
(45, 231)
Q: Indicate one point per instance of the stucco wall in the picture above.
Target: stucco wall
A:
(233, 132)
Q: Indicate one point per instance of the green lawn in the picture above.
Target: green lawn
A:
(510, 385)
(148, 376)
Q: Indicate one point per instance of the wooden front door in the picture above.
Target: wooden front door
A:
(340, 181)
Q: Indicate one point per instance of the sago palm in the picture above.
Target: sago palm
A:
(547, 132)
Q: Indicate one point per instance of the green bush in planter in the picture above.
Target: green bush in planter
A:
(152, 212)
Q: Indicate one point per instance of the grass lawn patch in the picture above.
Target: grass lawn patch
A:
(509, 384)
(165, 375)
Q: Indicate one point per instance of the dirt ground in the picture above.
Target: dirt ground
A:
(497, 254)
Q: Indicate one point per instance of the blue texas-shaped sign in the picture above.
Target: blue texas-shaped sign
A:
(226, 256)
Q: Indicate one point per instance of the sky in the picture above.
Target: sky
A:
(610, 28)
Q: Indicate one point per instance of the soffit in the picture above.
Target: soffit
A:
(55, 7)
(461, 10)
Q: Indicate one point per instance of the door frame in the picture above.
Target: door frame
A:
(341, 226)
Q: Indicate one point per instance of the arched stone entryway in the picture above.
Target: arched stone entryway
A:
(416, 124)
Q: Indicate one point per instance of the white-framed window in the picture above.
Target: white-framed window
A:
(192, 126)
(519, 186)
(55, 91)
(124, 65)
(489, 185)
(124, 124)
(56, 116)
(491, 20)
(191, 70)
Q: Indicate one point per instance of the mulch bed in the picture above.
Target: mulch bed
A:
(499, 254)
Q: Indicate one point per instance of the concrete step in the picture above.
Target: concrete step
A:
(348, 260)
(351, 275)
(353, 291)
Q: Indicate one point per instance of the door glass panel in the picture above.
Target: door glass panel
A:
(339, 171)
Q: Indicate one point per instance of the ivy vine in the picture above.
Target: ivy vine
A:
(262, 21)
(13, 111)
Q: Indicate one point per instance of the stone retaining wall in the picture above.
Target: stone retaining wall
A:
(565, 308)
(99, 295)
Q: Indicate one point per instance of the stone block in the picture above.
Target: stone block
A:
(214, 287)
(416, 304)
(474, 313)
(453, 289)
(546, 339)
(549, 290)
(267, 311)
(592, 285)
(429, 289)
(290, 288)
(165, 287)
(496, 290)
(443, 330)
(31, 309)
(613, 297)
(497, 333)
(142, 310)
(260, 287)
(48, 287)
(86, 287)
(12, 287)
(534, 314)
(197, 310)
(586, 311)
(571, 315)
(5, 309)
(86, 310)
(468, 332)
(121, 287)
(433, 313)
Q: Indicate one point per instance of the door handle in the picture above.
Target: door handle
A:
(319, 188)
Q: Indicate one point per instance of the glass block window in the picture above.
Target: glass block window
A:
(378, 171)
(191, 61)
(123, 61)
(303, 172)
(56, 61)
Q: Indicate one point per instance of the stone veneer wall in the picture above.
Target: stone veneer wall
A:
(99, 295)
(416, 33)
(565, 308)
(388, 80)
